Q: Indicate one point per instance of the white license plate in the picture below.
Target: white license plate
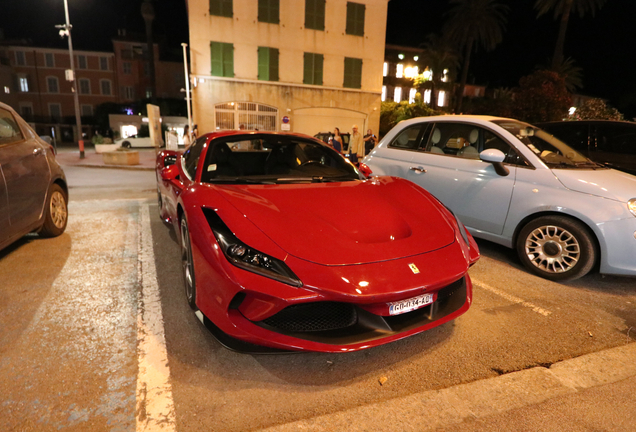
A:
(403, 306)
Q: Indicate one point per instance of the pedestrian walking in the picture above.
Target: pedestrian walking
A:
(187, 139)
(370, 142)
(356, 146)
(337, 140)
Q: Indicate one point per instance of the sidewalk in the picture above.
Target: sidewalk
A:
(70, 157)
(589, 393)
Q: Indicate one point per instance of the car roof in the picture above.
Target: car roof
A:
(226, 133)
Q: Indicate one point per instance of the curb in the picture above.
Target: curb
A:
(434, 409)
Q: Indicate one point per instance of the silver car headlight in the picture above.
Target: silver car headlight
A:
(631, 205)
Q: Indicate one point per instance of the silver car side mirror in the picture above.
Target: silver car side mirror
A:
(496, 158)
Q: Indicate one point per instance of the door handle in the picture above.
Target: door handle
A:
(418, 170)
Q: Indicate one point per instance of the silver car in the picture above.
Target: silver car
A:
(33, 189)
(514, 184)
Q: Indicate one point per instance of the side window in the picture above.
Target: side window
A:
(191, 157)
(456, 139)
(616, 139)
(409, 138)
(9, 130)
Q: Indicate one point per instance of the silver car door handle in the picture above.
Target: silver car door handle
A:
(418, 170)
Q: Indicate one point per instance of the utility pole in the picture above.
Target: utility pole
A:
(65, 30)
(148, 12)
(187, 84)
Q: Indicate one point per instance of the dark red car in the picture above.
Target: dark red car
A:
(33, 190)
(285, 245)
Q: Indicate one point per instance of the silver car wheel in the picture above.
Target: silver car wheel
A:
(187, 264)
(58, 209)
(552, 249)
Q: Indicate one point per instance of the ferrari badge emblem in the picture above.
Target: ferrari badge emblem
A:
(414, 268)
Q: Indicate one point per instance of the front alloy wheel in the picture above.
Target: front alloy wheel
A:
(187, 265)
(556, 248)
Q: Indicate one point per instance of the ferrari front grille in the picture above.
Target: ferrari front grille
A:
(313, 317)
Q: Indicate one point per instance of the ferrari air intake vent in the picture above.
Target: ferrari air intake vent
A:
(314, 317)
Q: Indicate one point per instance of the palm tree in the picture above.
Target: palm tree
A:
(563, 9)
(480, 22)
(438, 56)
(568, 70)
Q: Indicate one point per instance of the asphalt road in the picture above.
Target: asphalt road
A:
(70, 314)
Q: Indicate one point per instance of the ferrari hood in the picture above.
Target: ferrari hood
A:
(606, 183)
(344, 223)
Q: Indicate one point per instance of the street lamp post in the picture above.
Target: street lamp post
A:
(65, 30)
(187, 84)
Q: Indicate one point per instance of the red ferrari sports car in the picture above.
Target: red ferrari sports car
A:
(286, 246)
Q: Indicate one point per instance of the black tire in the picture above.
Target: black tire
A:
(160, 202)
(55, 212)
(126, 144)
(187, 265)
(557, 248)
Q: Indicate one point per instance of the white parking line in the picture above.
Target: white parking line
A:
(512, 298)
(155, 407)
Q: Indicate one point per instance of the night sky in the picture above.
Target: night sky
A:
(604, 46)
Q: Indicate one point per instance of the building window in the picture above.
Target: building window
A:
(49, 60)
(355, 19)
(397, 95)
(315, 14)
(26, 109)
(84, 86)
(148, 93)
(24, 84)
(55, 111)
(52, 84)
(221, 8)
(412, 93)
(245, 115)
(427, 96)
(20, 59)
(105, 85)
(268, 11)
(222, 59)
(383, 93)
(399, 70)
(385, 69)
(81, 62)
(353, 73)
(103, 63)
(87, 110)
(267, 64)
(128, 92)
(441, 98)
(127, 66)
(7, 90)
(313, 69)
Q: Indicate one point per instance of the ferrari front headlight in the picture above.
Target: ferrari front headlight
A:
(631, 205)
(248, 258)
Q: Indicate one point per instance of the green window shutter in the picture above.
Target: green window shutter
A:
(315, 14)
(318, 62)
(228, 60)
(273, 64)
(353, 73)
(263, 63)
(268, 11)
(308, 68)
(355, 19)
(221, 8)
(216, 59)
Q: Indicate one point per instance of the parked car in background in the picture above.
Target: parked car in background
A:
(276, 253)
(514, 184)
(134, 141)
(33, 189)
(612, 143)
(324, 136)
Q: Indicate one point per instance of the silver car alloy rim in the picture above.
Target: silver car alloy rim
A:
(186, 259)
(58, 209)
(553, 249)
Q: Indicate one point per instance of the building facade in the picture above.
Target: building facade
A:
(299, 65)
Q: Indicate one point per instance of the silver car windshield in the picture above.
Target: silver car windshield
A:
(548, 148)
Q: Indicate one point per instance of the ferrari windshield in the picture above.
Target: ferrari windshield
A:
(552, 151)
(269, 158)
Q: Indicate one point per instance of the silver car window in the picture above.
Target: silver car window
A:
(9, 130)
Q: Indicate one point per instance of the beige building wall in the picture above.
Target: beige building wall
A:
(337, 105)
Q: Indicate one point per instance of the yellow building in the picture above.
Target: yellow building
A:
(300, 65)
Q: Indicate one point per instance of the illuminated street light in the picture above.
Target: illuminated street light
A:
(65, 30)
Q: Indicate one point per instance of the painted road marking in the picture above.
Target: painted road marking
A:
(155, 406)
(512, 298)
